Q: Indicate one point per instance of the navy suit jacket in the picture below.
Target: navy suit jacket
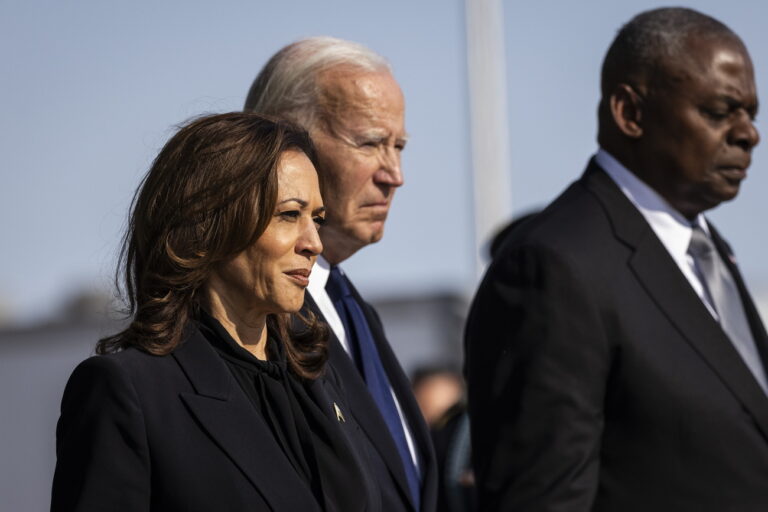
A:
(343, 381)
(598, 380)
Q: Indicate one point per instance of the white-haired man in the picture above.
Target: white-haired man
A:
(345, 96)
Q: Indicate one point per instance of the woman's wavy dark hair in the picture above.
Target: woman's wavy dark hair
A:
(208, 196)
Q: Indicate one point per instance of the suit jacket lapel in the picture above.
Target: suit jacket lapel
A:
(225, 412)
(401, 385)
(344, 468)
(755, 322)
(361, 404)
(659, 275)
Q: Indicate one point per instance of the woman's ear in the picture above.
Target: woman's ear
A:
(626, 110)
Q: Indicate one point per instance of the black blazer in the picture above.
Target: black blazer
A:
(172, 433)
(344, 380)
(597, 378)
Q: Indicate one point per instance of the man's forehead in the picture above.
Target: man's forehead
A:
(699, 52)
(380, 132)
(372, 101)
(697, 59)
(355, 88)
(369, 125)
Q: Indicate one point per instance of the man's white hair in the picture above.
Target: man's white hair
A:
(288, 86)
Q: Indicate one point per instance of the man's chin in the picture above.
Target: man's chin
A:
(713, 200)
(728, 192)
(376, 232)
(369, 234)
(342, 242)
(376, 237)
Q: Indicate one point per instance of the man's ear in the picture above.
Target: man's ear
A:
(626, 110)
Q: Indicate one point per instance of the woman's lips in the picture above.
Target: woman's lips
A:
(299, 275)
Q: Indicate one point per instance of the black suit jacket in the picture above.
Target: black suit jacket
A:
(173, 433)
(344, 382)
(597, 378)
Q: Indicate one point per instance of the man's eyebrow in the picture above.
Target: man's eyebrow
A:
(735, 102)
(730, 100)
(374, 133)
(380, 134)
(750, 107)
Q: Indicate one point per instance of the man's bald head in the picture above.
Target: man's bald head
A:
(678, 107)
(651, 46)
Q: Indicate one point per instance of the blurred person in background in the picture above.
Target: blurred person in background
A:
(345, 96)
(437, 389)
(450, 429)
(494, 246)
(440, 393)
(208, 400)
(615, 359)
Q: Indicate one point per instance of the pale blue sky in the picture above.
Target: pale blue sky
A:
(91, 90)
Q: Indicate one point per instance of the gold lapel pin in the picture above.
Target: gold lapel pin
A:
(339, 416)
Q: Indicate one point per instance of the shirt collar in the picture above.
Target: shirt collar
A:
(670, 226)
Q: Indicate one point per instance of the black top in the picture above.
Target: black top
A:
(310, 441)
(275, 395)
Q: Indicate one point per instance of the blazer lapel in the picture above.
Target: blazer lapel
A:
(755, 322)
(401, 385)
(225, 412)
(361, 404)
(659, 275)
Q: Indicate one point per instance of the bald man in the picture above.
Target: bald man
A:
(615, 359)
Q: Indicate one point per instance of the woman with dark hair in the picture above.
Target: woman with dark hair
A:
(208, 399)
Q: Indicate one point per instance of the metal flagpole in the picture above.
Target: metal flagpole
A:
(489, 130)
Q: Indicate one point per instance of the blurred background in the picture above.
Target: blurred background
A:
(92, 90)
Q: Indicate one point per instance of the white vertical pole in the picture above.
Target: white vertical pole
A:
(489, 130)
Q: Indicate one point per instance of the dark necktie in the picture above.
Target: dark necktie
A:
(363, 346)
(725, 299)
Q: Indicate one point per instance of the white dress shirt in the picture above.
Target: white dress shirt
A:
(317, 281)
(318, 278)
(675, 232)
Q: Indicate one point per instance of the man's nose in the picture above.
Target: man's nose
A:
(744, 133)
(389, 173)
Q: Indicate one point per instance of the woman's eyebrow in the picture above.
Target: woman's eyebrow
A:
(301, 202)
